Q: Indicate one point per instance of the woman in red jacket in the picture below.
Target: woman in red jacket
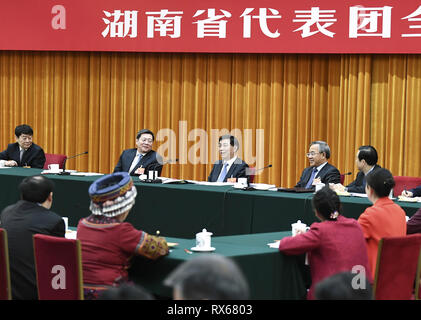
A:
(384, 218)
(334, 245)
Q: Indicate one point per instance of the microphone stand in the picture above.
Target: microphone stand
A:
(64, 172)
(249, 188)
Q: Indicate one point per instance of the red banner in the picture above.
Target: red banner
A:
(258, 26)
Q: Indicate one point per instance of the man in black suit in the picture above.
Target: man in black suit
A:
(320, 171)
(142, 159)
(23, 153)
(230, 166)
(366, 160)
(30, 215)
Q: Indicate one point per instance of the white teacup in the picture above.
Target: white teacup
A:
(54, 167)
(143, 177)
(242, 181)
(298, 227)
(203, 239)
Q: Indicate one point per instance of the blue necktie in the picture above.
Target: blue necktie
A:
(310, 181)
(223, 173)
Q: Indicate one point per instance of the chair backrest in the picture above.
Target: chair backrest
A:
(398, 268)
(54, 158)
(5, 286)
(403, 182)
(58, 265)
(342, 178)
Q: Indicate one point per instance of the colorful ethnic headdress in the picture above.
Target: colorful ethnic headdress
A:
(112, 194)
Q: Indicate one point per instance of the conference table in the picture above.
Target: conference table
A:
(271, 275)
(182, 210)
(243, 222)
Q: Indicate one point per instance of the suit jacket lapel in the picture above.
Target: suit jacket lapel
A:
(130, 160)
(231, 171)
(217, 171)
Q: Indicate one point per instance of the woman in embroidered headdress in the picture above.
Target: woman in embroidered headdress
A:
(334, 245)
(108, 243)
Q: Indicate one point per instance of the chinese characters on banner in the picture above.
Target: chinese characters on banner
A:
(325, 26)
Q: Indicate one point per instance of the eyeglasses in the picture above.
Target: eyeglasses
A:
(312, 153)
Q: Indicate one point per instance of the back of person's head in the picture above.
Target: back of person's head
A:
(326, 202)
(381, 181)
(343, 286)
(208, 277)
(126, 292)
(36, 188)
(369, 154)
(23, 129)
(323, 147)
(233, 140)
(145, 131)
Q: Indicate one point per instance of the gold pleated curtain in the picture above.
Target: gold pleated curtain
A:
(275, 104)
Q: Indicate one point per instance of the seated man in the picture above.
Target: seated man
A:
(320, 171)
(230, 166)
(366, 160)
(23, 153)
(141, 159)
(415, 192)
(29, 216)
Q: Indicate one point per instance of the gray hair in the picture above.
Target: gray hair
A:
(323, 147)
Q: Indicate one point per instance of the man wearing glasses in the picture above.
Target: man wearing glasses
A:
(142, 159)
(320, 171)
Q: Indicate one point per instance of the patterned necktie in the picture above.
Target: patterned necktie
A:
(21, 154)
(310, 181)
(223, 173)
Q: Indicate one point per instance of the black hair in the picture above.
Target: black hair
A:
(23, 129)
(36, 188)
(323, 147)
(326, 202)
(369, 154)
(233, 140)
(381, 181)
(143, 131)
(340, 287)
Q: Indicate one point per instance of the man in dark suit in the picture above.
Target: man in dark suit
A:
(22, 220)
(415, 192)
(142, 159)
(230, 166)
(320, 171)
(23, 153)
(366, 160)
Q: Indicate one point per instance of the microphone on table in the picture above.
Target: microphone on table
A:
(252, 172)
(64, 172)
